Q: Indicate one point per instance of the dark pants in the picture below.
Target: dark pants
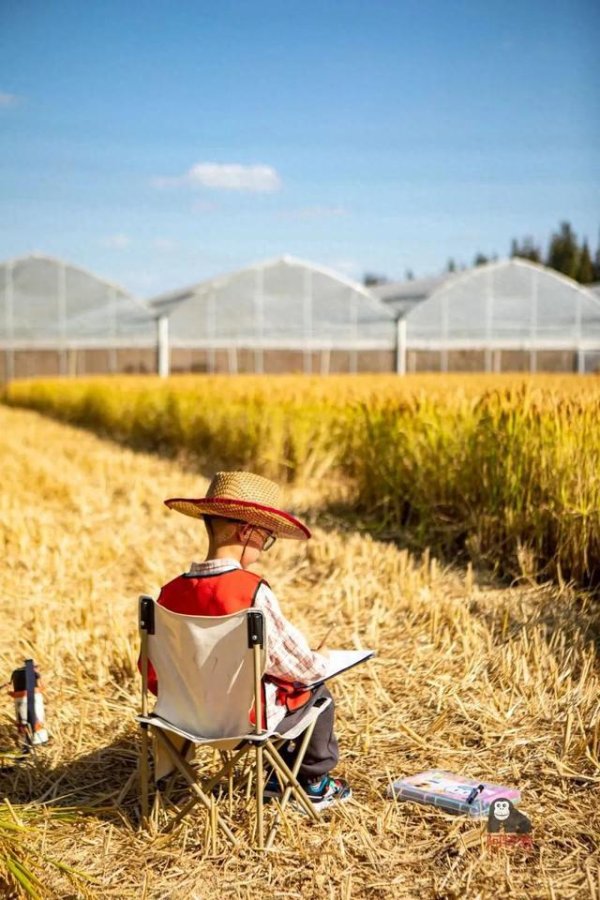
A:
(322, 752)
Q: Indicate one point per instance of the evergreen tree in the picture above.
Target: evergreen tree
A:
(525, 250)
(564, 252)
(451, 266)
(370, 279)
(480, 259)
(597, 262)
(585, 271)
(409, 275)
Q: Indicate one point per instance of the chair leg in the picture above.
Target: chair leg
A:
(190, 776)
(259, 797)
(289, 789)
(226, 769)
(225, 759)
(166, 784)
(214, 824)
(283, 769)
(229, 785)
(208, 786)
(144, 774)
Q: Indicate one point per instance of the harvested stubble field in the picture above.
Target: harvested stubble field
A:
(499, 683)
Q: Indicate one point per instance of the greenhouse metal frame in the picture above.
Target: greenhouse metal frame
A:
(287, 315)
(507, 307)
(52, 313)
(286, 306)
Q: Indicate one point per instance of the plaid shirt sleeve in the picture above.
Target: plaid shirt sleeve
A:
(288, 654)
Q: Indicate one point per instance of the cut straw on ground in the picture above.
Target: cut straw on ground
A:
(499, 684)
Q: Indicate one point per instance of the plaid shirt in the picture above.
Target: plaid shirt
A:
(288, 654)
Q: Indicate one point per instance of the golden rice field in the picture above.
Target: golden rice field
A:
(500, 683)
(501, 470)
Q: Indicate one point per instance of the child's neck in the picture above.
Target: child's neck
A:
(226, 551)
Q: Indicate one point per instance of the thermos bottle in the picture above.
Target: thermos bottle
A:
(29, 703)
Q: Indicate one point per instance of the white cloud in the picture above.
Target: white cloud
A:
(8, 100)
(314, 212)
(233, 177)
(226, 177)
(117, 241)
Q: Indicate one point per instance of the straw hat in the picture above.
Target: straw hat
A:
(245, 496)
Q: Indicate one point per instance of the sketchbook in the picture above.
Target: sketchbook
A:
(451, 792)
(340, 661)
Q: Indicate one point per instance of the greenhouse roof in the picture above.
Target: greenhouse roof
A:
(289, 303)
(46, 301)
(402, 296)
(510, 303)
(284, 303)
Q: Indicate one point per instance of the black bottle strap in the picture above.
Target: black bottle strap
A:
(30, 688)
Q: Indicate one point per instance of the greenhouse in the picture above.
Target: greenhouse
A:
(287, 315)
(56, 318)
(282, 315)
(402, 296)
(512, 315)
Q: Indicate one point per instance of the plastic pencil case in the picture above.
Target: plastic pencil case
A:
(458, 785)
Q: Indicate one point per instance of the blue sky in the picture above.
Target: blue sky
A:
(159, 143)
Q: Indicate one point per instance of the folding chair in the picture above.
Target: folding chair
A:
(209, 671)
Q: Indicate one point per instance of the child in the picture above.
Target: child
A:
(242, 518)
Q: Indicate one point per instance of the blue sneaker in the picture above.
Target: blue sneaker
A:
(328, 791)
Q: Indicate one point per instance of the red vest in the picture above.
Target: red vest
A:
(221, 595)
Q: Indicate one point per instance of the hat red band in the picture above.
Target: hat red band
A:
(217, 503)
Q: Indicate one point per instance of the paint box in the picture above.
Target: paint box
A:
(438, 787)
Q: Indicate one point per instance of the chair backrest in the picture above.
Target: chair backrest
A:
(205, 670)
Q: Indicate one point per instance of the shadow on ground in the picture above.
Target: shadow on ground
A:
(102, 781)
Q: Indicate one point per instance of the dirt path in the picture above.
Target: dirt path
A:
(498, 684)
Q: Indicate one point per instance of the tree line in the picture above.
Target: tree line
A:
(565, 253)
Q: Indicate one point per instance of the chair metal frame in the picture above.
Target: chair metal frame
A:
(263, 744)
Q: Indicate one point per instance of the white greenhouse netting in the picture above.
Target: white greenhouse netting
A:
(289, 315)
(48, 303)
(285, 303)
(512, 303)
(510, 306)
(56, 318)
(402, 296)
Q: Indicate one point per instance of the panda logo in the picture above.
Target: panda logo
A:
(503, 816)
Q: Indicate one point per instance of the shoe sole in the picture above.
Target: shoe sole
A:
(320, 805)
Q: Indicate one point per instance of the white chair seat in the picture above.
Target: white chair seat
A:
(295, 731)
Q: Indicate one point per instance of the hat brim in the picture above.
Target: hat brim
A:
(282, 524)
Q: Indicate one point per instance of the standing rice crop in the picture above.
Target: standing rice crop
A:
(501, 469)
(512, 476)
